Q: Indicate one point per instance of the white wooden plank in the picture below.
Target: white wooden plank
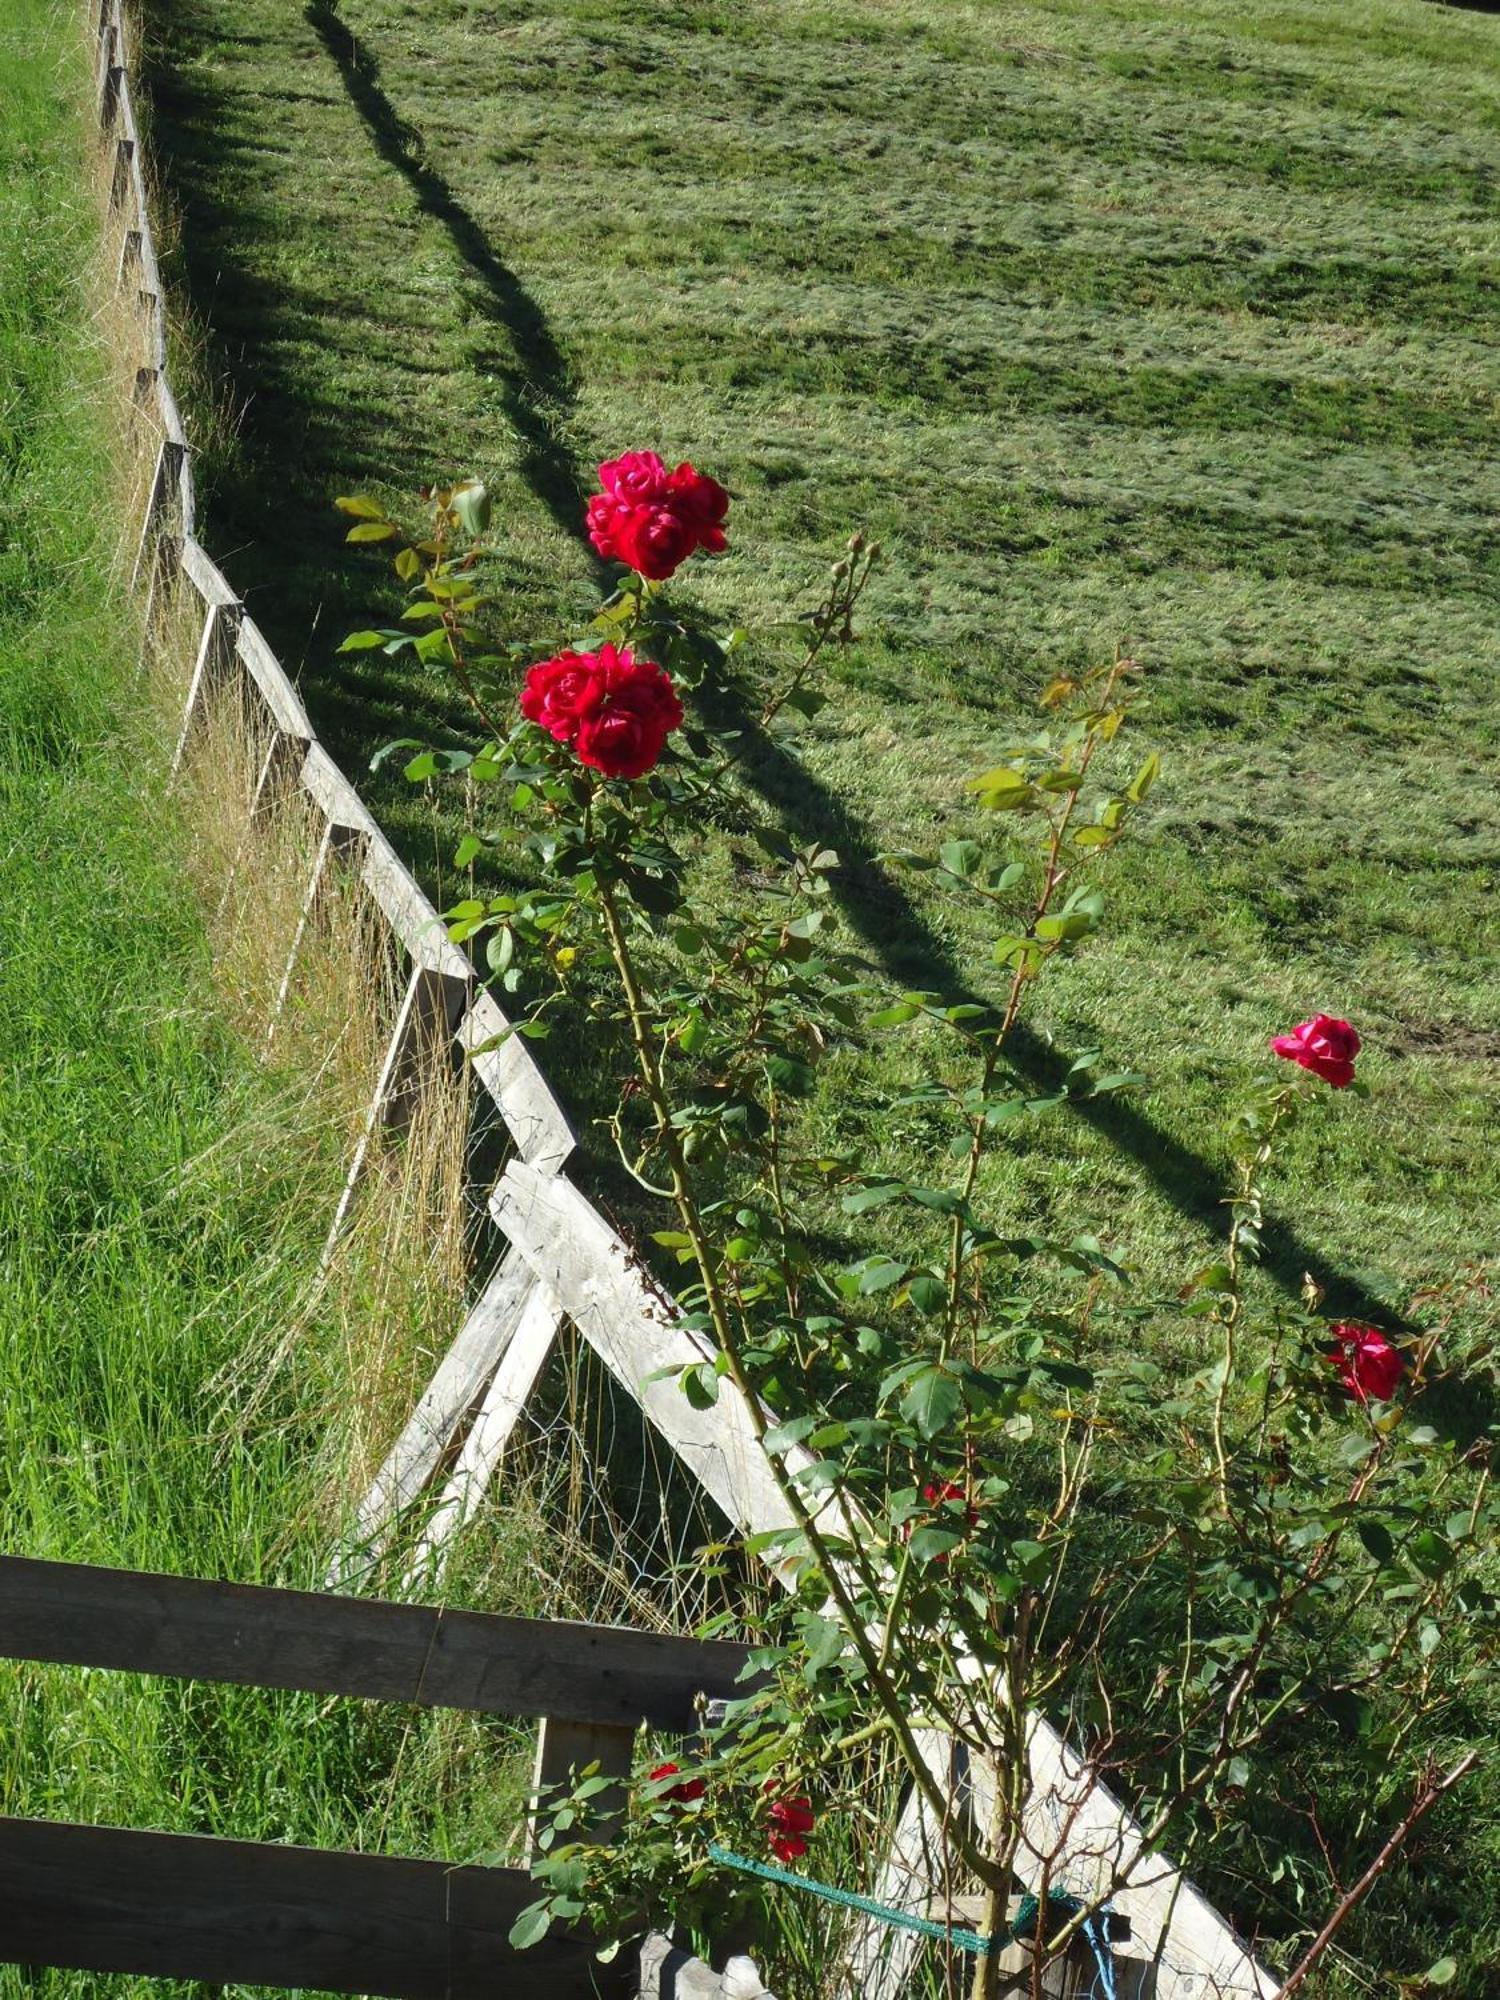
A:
(154, 499)
(335, 797)
(1196, 1954)
(215, 648)
(603, 1291)
(509, 1073)
(881, 1959)
(625, 1320)
(171, 416)
(460, 1377)
(187, 495)
(268, 674)
(406, 909)
(510, 1390)
(204, 574)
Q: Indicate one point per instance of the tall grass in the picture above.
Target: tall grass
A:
(181, 1390)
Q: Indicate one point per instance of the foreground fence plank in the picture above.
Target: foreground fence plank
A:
(133, 1621)
(107, 1899)
(584, 1264)
(505, 1067)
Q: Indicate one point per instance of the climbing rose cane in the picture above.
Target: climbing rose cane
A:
(1324, 1045)
(653, 519)
(615, 710)
(1368, 1365)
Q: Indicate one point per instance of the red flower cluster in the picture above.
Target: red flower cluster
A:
(615, 710)
(937, 1493)
(687, 1792)
(792, 1821)
(1368, 1364)
(1325, 1046)
(653, 519)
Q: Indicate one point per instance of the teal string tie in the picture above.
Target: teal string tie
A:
(1095, 1934)
(846, 1899)
(1094, 1930)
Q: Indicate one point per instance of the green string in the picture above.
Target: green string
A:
(866, 1905)
(1023, 1927)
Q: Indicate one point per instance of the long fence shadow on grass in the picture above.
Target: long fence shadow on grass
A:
(539, 389)
(910, 950)
(285, 530)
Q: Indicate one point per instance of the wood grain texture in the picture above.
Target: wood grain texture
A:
(268, 674)
(616, 1309)
(133, 1621)
(204, 574)
(408, 912)
(110, 1899)
(453, 1391)
(614, 1306)
(509, 1073)
(564, 1753)
(500, 1410)
(332, 792)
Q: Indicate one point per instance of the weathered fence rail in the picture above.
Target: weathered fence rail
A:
(564, 1262)
(136, 1622)
(185, 1906)
(115, 1899)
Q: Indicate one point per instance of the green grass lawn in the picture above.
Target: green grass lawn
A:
(162, 1198)
(1166, 325)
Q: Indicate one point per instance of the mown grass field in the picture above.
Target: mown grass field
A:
(1159, 325)
(1167, 326)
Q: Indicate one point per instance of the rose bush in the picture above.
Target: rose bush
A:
(1223, 1568)
(614, 710)
(1368, 1364)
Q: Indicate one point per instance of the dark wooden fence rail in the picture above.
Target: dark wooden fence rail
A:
(109, 1899)
(113, 1899)
(550, 1668)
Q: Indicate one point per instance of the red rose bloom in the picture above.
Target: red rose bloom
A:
(1368, 1365)
(635, 479)
(653, 519)
(1325, 1046)
(685, 1793)
(615, 710)
(558, 693)
(702, 501)
(791, 1822)
(654, 540)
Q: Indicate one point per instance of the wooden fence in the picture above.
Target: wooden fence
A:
(563, 1263)
(115, 1899)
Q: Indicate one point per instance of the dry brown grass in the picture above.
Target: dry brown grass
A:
(308, 976)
